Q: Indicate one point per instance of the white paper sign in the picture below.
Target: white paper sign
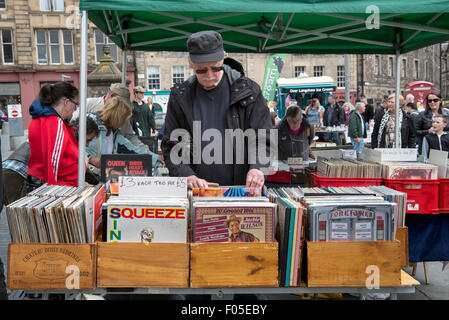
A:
(14, 111)
(168, 187)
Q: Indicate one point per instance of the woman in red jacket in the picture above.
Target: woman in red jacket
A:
(53, 146)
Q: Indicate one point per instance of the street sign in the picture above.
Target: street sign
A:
(14, 111)
(15, 120)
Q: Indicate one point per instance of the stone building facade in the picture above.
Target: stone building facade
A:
(376, 74)
(41, 44)
(371, 75)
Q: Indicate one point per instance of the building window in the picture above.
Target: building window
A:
(7, 52)
(100, 43)
(341, 79)
(178, 74)
(67, 39)
(390, 66)
(49, 5)
(55, 56)
(376, 65)
(154, 78)
(416, 69)
(41, 45)
(404, 68)
(318, 71)
(2, 4)
(49, 46)
(58, 5)
(299, 70)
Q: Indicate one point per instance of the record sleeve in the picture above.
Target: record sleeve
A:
(233, 222)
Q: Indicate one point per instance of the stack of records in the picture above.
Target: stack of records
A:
(286, 192)
(409, 170)
(51, 214)
(233, 219)
(145, 219)
(346, 218)
(292, 222)
(348, 168)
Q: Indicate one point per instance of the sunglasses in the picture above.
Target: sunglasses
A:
(433, 100)
(204, 70)
(140, 92)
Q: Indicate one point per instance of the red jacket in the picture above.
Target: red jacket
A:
(53, 151)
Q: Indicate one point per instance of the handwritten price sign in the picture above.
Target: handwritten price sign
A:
(167, 187)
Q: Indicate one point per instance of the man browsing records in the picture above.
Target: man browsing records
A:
(215, 100)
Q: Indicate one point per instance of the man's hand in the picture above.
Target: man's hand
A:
(95, 161)
(255, 179)
(195, 182)
(161, 160)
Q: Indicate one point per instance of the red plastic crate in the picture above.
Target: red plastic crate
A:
(319, 181)
(443, 196)
(280, 176)
(422, 195)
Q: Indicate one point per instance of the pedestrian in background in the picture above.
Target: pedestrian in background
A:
(357, 128)
(333, 116)
(348, 110)
(384, 133)
(142, 117)
(437, 139)
(423, 122)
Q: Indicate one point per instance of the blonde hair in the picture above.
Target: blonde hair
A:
(401, 99)
(114, 111)
(272, 104)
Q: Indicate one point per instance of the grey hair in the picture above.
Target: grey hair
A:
(359, 105)
(348, 104)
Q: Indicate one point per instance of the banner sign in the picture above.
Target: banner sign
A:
(273, 69)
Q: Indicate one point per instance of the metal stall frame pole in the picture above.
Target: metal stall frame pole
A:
(347, 89)
(124, 66)
(396, 100)
(398, 92)
(83, 101)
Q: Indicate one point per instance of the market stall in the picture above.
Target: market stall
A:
(254, 26)
(384, 27)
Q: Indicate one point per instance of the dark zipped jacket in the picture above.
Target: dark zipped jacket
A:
(302, 144)
(248, 110)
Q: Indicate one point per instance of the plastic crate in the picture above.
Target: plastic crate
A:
(443, 196)
(422, 195)
(319, 181)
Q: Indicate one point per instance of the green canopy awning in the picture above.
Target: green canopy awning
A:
(288, 26)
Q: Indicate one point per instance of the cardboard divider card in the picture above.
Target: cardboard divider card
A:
(155, 186)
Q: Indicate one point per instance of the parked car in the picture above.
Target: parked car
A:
(159, 118)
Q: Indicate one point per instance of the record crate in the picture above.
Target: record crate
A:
(234, 264)
(422, 195)
(353, 263)
(142, 265)
(51, 266)
(443, 196)
(320, 181)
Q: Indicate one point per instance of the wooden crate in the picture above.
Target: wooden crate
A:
(139, 265)
(233, 265)
(402, 236)
(39, 266)
(345, 264)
